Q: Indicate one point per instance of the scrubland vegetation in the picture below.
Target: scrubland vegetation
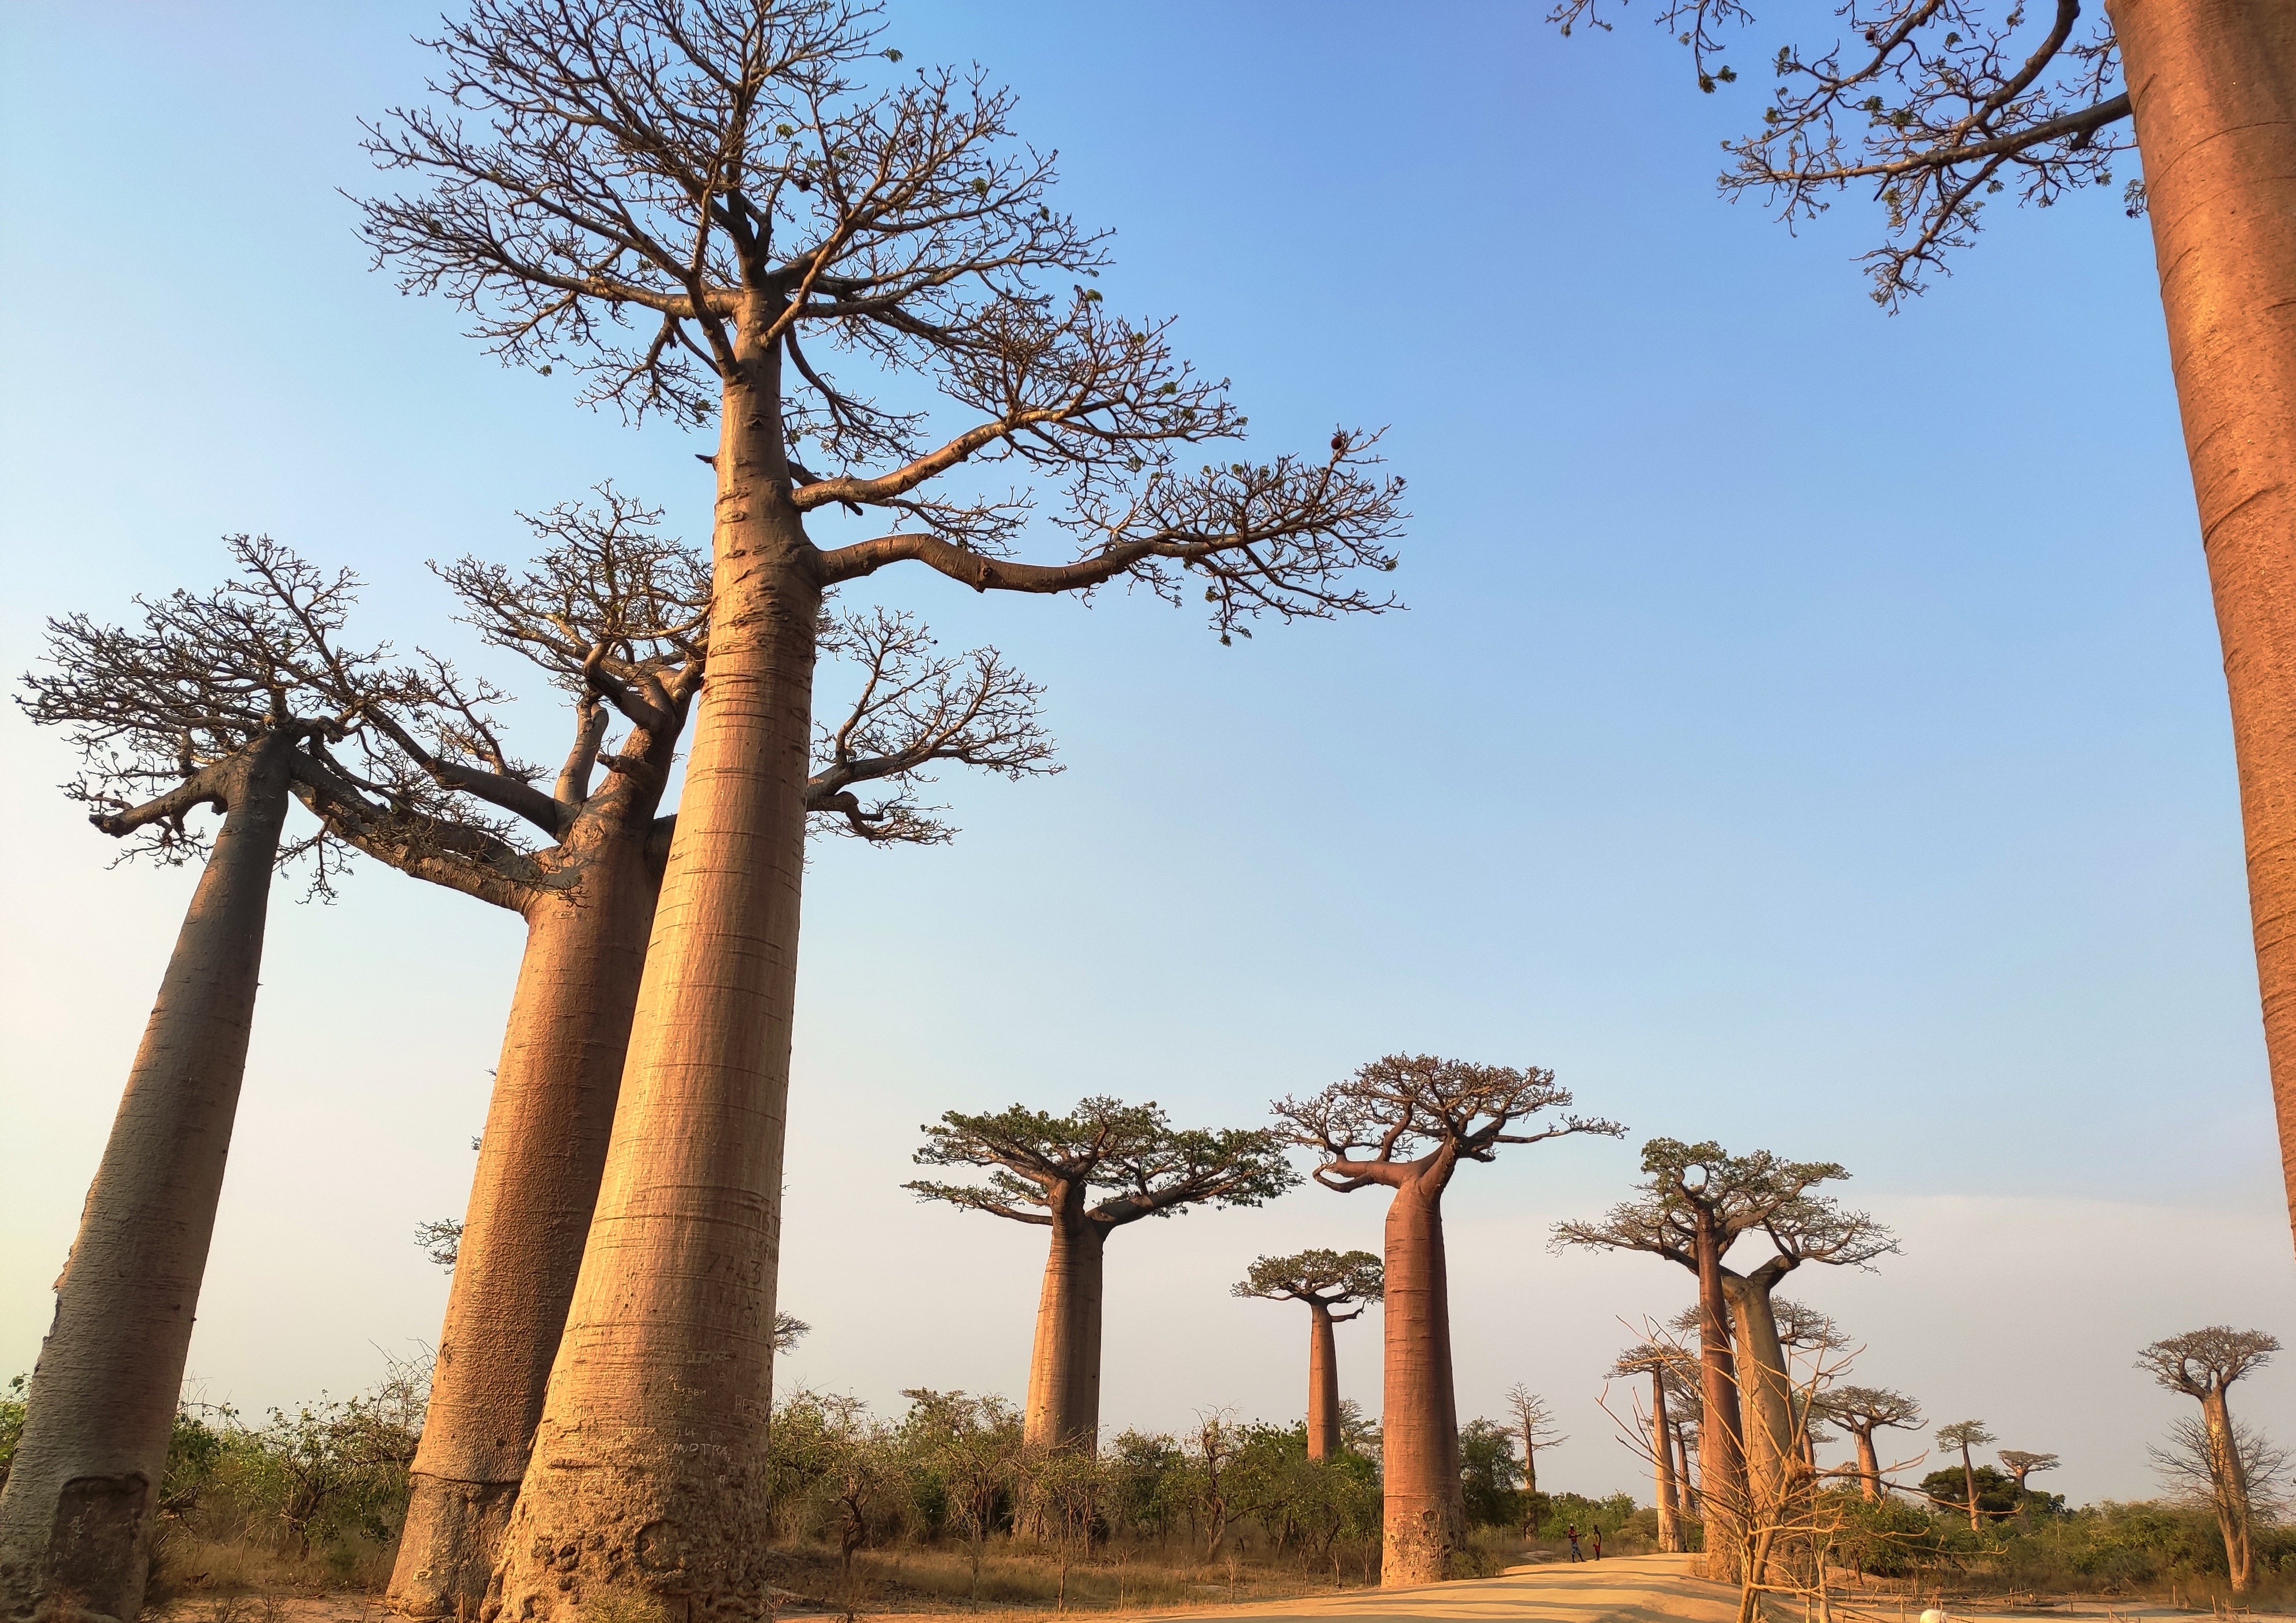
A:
(947, 1506)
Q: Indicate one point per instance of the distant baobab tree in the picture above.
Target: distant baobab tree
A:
(2021, 1464)
(742, 213)
(1325, 1280)
(1965, 1435)
(2203, 1364)
(1404, 1123)
(1933, 110)
(1697, 1202)
(1534, 1423)
(615, 615)
(213, 700)
(1084, 1176)
(1657, 1360)
(1862, 1411)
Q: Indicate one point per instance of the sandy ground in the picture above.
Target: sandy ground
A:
(1624, 1589)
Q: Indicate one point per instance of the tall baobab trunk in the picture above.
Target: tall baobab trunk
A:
(1764, 1394)
(1869, 1464)
(1669, 1519)
(1424, 1509)
(1683, 1480)
(1969, 1482)
(2229, 1472)
(531, 1198)
(2213, 85)
(1322, 1384)
(646, 1476)
(1721, 1458)
(76, 1515)
(1064, 1370)
(1774, 1447)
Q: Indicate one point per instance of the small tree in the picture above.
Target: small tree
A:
(973, 1445)
(727, 176)
(1325, 1280)
(2203, 1364)
(1490, 1476)
(1534, 1423)
(1965, 1435)
(213, 700)
(1404, 1123)
(1043, 1170)
(2021, 1465)
(1862, 1411)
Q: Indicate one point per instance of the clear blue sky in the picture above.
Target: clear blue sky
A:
(1807, 730)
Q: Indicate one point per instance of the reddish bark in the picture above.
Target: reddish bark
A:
(1322, 1384)
(1423, 1512)
(1325, 1280)
(1064, 1366)
(2212, 83)
(1404, 1123)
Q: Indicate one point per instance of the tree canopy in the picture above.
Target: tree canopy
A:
(1039, 1165)
(1737, 1195)
(2201, 1362)
(1333, 1279)
(1935, 105)
(1371, 1128)
(675, 197)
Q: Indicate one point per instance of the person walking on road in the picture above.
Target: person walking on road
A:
(1572, 1533)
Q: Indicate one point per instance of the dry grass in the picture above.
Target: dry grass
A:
(1022, 1576)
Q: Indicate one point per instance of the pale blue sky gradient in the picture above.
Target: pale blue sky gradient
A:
(1806, 729)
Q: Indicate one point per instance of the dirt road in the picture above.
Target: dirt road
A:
(1625, 1589)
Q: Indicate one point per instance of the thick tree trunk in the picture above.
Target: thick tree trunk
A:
(1064, 1370)
(2213, 83)
(2230, 1471)
(646, 1479)
(1969, 1480)
(1869, 1466)
(1766, 1394)
(1424, 1509)
(76, 1514)
(1721, 1457)
(1670, 1515)
(1322, 1384)
(531, 1198)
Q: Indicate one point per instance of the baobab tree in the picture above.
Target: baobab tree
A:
(2203, 1364)
(724, 174)
(1939, 105)
(1404, 1123)
(1325, 1280)
(1534, 1423)
(213, 702)
(1697, 1201)
(2022, 1463)
(1862, 1411)
(1044, 1169)
(1965, 1435)
(1657, 1360)
(615, 614)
